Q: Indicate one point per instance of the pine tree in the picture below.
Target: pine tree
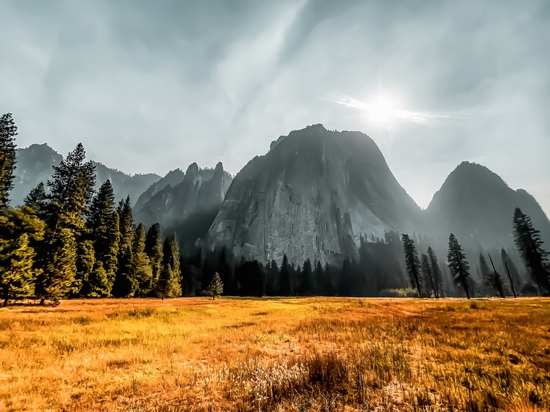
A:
(8, 131)
(37, 200)
(458, 265)
(153, 248)
(60, 269)
(15, 222)
(142, 265)
(413, 264)
(17, 274)
(323, 287)
(436, 271)
(71, 190)
(529, 245)
(169, 284)
(308, 287)
(20, 229)
(126, 283)
(98, 281)
(287, 288)
(427, 273)
(216, 286)
(103, 224)
(85, 262)
(273, 283)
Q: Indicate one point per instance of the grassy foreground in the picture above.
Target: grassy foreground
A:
(307, 354)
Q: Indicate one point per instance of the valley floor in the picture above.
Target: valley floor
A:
(269, 354)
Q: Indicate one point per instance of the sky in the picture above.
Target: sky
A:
(150, 86)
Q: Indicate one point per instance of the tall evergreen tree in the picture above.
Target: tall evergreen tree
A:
(71, 190)
(458, 265)
(169, 284)
(142, 264)
(308, 285)
(20, 230)
(8, 131)
(59, 272)
(413, 264)
(427, 274)
(37, 200)
(321, 280)
(103, 224)
(98, 281)
(83, 284)
(273, 279)
(287, 286)
(126, 282)
(154, 248)
(17, 274)
(436, 271)
(529, 245)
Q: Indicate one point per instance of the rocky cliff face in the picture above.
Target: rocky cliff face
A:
(478, 206)
(34, 165)
(313, 195)
(198, 189)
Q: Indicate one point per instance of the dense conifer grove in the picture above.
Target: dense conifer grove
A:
(68, 241)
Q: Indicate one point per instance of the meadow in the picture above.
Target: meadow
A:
(276, 354)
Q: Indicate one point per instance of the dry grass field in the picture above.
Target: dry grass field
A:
(306, 354)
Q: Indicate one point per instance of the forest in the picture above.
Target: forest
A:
(69, 241)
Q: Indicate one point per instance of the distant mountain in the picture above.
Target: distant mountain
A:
(313, 195)
(179, 195)
(478, 206)
(34, 165)
(172, 178)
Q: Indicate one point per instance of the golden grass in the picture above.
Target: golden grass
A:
(318, 354)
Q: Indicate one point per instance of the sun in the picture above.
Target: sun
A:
(381, 110)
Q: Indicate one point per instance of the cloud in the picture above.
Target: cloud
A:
(151, 86)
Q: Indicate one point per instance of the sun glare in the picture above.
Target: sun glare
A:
(382, 110)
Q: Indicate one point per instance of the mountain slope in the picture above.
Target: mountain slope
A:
(312, 196)
(170, 203)
(477, 206)
(34, 165)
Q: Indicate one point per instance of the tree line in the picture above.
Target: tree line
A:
(425, 273)
(67, 241)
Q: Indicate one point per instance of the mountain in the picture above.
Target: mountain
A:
(477, 206)
(178, 196)
(313, 195)
(123, 184)
(172, 178)
(34, 165)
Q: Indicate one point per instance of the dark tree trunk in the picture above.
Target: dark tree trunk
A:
(511, 281)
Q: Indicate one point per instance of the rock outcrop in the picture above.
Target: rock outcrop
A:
(169, 204)
(313, 195)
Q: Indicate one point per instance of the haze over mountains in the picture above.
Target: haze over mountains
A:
(34, 165)
(314, 195)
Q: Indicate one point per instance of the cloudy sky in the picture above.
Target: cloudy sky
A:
(150, 86)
